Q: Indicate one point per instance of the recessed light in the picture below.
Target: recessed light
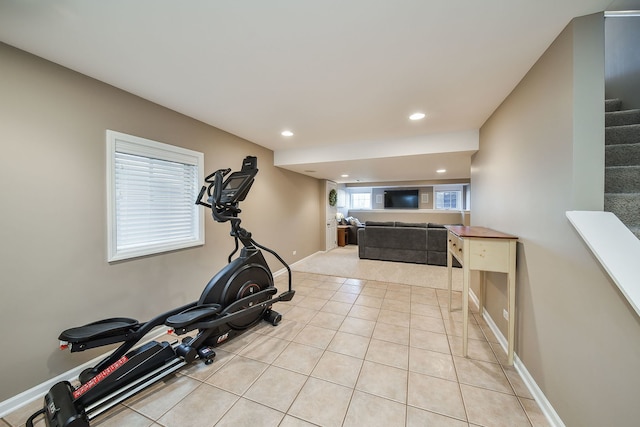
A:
(417, 116)
(441, 171)
(344, 175)
(286, 133)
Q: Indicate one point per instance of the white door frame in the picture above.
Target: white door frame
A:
(331, 233)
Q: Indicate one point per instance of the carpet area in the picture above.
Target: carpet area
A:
(344, 262)
(622, 163)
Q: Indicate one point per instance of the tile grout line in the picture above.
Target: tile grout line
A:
(324, 351)
(308, 376)
(455, 368)
(504, 372)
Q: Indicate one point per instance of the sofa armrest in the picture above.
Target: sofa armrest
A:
(437, 239)
(353, 234)
(361, 241)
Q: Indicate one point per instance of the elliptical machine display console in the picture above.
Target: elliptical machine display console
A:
(237, 298)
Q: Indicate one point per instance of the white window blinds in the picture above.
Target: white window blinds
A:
(152, 192)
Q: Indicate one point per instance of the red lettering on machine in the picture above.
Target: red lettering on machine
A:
(98, 378)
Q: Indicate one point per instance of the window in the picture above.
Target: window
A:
(448, 197)
(151, 192)
(360, 200)
(447, 200)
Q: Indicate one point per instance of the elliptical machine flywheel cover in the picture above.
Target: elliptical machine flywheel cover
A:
(249, 280)
(255, 274)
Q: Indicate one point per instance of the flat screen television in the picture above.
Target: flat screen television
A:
(401, 199)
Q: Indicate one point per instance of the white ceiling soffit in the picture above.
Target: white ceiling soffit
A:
(336, 73)
(410, 158)
(421, 167)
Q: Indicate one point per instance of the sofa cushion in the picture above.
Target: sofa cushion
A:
(396, 238)
(434, 225)
(398, 255)
(412, 224)
(380, 224)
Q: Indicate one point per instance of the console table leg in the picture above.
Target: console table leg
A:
(483, 283)
(465, 305)
(512, 316)
(449, 266)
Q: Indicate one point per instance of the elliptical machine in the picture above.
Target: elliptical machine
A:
(235, 299)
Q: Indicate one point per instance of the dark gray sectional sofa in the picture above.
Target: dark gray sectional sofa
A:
(352, 231)
(422, 243)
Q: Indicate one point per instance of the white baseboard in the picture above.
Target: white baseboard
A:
(38, 392)
(545, 406)
(548, 411)
(284, 270)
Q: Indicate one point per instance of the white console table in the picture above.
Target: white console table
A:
(480, 248)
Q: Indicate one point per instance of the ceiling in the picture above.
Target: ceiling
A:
(343, 76)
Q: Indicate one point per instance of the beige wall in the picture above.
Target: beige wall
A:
(541, 154)
(52, 238)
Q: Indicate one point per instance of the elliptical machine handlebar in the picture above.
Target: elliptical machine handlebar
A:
(214, 180)
(221, 211)
(225, 194)
(222, 172)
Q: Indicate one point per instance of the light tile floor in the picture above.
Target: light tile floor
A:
(348, 352)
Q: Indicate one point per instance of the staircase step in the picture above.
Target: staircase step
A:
(622, 154)
(625, 206)
(612, 105)
(621, 118)
(622, 179)
(628, 134)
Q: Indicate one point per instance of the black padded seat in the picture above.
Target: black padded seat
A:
(100, 329)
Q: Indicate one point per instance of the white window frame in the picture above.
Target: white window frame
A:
(359, 193)
(118, 142)
(448, 189)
